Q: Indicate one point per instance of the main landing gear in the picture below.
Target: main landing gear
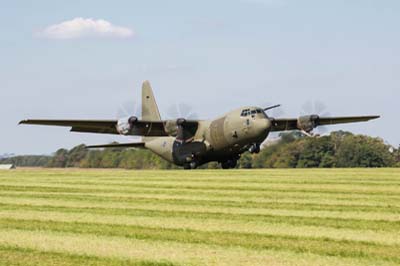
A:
(229, 164)
(191, 165)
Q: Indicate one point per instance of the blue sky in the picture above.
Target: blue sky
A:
(212, 55)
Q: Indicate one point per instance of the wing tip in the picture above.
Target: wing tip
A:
(372, 117)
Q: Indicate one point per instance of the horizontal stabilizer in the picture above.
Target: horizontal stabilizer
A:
(138, 145)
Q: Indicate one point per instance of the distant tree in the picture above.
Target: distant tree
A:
(110, 158)
(287, 156)
(317, 152)
(59, 159)
(363, 151)
(266, 158)
(76, 155)
(245, 161)
(339, 149)
(27, 160)
(396, 155)
(91, 160)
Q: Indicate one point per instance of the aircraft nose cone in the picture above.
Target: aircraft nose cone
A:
(263, 126)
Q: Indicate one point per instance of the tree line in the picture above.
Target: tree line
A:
(339, 149)
(291, 150)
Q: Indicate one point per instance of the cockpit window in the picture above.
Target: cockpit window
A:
(245, 112)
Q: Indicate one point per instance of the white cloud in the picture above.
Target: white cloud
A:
(84, 28)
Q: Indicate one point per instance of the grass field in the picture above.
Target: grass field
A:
(235, 217)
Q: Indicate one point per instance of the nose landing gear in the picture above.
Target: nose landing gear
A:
(254, 148)
(191, 163)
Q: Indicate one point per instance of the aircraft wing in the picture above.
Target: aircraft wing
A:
(139, 128)
(282, 124)
(138, 145)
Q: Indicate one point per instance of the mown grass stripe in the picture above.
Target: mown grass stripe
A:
(231, 186)
(236, 173)
(210, 225)
(217, 181)
(183, 253)
(321, 246)
(241, 194)
(235, 199)
(216, 209)
(16, 256)
(220, 181)
(211, 203)
(200, 208)
(336, 222)
(191, 189)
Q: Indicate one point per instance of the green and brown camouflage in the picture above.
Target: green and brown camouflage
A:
(190, 143)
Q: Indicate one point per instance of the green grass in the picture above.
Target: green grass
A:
(30, 257)
(212, 217)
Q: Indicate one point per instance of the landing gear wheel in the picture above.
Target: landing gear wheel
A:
(193, 165)
(229, 164)
(225, 165)
(255, 148)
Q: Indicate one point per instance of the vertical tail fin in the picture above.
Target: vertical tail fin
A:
(149, 105)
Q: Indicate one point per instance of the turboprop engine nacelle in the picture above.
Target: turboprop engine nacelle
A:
(307, 123)
(125, 125)
(183, 130)
(171, 127)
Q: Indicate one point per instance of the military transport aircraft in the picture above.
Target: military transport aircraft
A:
(191, 143)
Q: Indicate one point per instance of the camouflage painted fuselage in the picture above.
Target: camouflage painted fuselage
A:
(221, 139)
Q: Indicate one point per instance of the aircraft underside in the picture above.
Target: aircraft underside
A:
(194, 154)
